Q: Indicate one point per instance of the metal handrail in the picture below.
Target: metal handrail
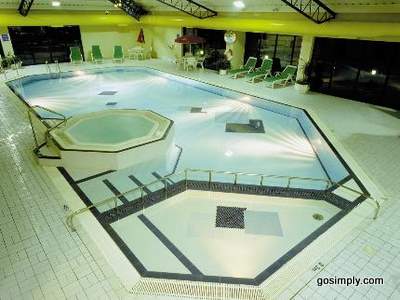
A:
(31, 110)
(210, 173)
(58, 66)
(48, 67)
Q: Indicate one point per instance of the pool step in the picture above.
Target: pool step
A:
(126, 182)
(102, 185)
(48, 157)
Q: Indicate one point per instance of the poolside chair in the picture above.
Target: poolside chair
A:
(118, 54)
(282, 78)
(262, 72)
(190, 63)
(247, 68)
(75, 55)
(97, 57)
(200, 61)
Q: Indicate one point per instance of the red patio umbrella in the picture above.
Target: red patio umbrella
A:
(140, 38)
(189, 40)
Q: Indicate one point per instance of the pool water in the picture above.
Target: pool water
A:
(284, 149)
(271, 226)
(111, 129)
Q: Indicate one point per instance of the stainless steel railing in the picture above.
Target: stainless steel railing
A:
(31, 111)
(210, 174)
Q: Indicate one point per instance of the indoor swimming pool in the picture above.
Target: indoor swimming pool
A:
(213, 125)
(271, 172)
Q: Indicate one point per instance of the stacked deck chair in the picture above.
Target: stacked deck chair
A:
(262, 72)
(282, 78)
(243, 70)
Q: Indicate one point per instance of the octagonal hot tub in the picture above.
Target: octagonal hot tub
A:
(113, 139)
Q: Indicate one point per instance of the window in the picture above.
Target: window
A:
(38, 44)
(360, 70)
(283, 49)
(213, 47)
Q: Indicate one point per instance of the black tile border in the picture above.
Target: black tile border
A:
(171, 247)
(115, 191)
(115, 214)
(168, 181)
(316, 152)
(337, 184)
(178, 159)
(155, 197)
(139, 183)
(346, 166)
(125, 249)
(94, 176)
(275, 266)
(78, 191)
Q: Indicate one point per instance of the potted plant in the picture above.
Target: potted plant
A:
(303, 83)
(11, 61)
(223, 66)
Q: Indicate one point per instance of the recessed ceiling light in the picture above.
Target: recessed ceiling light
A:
(239, 4)
(56, 3)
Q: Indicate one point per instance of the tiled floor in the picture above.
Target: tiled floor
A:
(40, 258)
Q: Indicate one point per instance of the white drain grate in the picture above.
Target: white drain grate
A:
(196, 290)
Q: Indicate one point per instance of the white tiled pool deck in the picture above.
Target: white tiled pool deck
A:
(40, 258)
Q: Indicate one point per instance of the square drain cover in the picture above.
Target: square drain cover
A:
(230, 217)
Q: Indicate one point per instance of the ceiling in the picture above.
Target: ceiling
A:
(340, 6)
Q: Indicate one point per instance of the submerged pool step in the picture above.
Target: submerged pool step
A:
(127, 185)
(139, 183)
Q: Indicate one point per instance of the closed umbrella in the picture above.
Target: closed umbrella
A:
(140, 38)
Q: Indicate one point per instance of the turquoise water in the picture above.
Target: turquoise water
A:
(111, 129)
(290, 146)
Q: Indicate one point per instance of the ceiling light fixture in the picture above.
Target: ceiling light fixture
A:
(239, 4)
(56, 3)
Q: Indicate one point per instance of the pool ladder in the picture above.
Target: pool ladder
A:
(262, 179)
(58, 67)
